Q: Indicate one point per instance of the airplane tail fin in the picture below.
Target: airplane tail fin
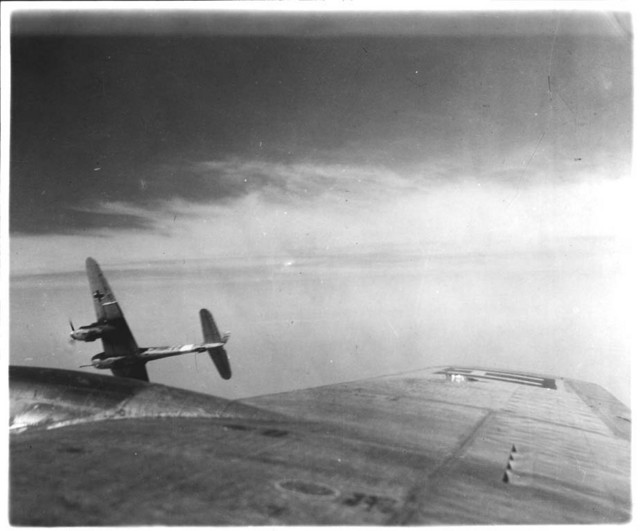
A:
(212, 335)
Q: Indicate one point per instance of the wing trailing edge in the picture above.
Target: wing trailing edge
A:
(137, 371)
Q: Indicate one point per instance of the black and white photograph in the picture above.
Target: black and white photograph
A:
(317, 264)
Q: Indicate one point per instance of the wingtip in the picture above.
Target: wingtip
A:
(92, 266)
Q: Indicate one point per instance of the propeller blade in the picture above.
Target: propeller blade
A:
(72, 340)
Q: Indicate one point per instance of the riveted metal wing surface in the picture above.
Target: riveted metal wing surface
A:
(447, 445)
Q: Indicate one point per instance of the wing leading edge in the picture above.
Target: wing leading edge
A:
(447, 445)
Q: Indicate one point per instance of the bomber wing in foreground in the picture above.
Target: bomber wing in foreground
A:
(121, 352)
(448, 445)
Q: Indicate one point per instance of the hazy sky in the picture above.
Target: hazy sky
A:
(503, 139)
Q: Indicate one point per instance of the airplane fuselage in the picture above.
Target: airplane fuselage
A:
(102, 361)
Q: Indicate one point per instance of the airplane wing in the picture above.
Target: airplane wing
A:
(119, 341)
(445, 445)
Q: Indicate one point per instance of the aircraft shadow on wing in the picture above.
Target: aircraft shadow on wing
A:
(121, 352)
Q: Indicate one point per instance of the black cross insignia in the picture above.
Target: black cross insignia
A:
(98, 295)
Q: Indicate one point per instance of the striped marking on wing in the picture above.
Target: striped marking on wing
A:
(465, 373)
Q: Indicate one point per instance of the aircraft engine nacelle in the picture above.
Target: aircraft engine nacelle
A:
(100, 361)
(90, 333)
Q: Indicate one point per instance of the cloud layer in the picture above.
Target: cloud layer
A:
(280, 210)
(122, 118)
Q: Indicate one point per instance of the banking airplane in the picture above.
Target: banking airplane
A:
(121, 352)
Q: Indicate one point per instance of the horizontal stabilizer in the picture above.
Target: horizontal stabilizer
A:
(212, 335)
(221, 361)
(209, 328)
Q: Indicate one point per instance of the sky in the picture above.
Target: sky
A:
(423, 187)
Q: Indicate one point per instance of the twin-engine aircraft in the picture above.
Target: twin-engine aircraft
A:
(121, 352)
